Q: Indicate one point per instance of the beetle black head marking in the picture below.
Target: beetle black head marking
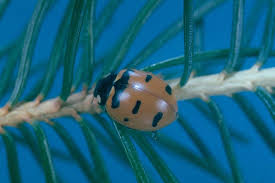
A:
(120, 85)
(103, 87)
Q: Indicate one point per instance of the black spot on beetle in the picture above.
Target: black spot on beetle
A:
(136, 108)
(126, 119)
(168, 89)
(157, 118)
(120, 85)
(148, 78)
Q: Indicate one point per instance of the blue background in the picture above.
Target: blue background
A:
(255, 160)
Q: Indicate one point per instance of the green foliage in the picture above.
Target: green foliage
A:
(94, 152)
(166, 174)
(45, 154)
(236, 36)
(256, 120)
(75, 27)
(74, 151)
(30, 39)
(131, 153)
(81, 29)
(268, 35)
(225, 136)
(12, 158)
(188, 41)
(204, 56)
(123, 45)
(196, 139)
(3, 5)
(58, 51)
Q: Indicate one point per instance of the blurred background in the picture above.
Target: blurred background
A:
(256, 161)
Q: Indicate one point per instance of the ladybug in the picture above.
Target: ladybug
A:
(137, 99)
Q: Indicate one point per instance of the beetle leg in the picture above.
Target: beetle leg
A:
(155, 135)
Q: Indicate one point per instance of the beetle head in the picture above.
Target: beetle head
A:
(103, 88)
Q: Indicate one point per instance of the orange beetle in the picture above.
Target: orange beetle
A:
(137, 99)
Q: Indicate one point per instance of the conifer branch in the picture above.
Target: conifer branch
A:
(197, 87)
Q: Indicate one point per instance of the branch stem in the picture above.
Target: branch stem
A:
(216, 84)
(198, 87)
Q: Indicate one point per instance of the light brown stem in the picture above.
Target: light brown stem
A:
(82, 102)
(216, 84)
(53, 108)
